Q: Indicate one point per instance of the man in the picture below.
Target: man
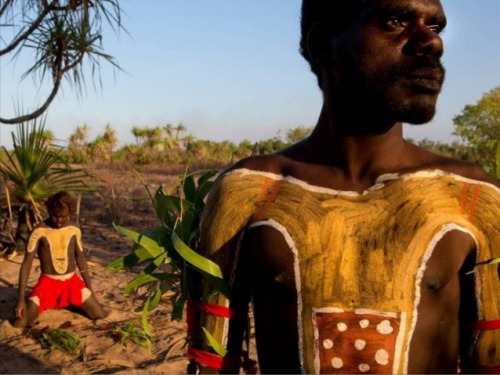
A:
(57, 242)
(360, 252)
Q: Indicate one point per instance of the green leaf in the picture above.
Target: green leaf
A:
(485, 263)
(144, 319)
(178, 307)
(167, 208)
(157, 262)
(220, 285)
(145, 242)
(205, 177)
(219, 349)
(137, 282)
(194, 258)
(117, 264)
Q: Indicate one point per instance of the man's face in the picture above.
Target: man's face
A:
(59, 218)
(388, 61)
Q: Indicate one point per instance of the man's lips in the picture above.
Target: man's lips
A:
(426, 80)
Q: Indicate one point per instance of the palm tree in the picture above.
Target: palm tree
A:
(78, 144)
(33, 171)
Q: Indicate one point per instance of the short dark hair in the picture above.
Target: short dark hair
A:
(60, 201)
(331, 17)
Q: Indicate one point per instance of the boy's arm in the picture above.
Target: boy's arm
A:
(81, 261)
(24, 274)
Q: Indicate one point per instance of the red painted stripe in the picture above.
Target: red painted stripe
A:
(273, 192)
(213, 360)
(486, 325)
(464, 199)
(473, 204)
(217, 310)
(487, 370)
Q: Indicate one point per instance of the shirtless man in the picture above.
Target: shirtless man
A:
(58, 244)
(354, 246)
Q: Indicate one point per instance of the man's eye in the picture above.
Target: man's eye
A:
(394, 23)
(438, 29)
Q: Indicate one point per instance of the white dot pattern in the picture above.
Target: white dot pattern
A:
(382, 357)
(350, 343)
(360, 344)
(364, 323)
(342, 327)
(364, 367)
(385, 327)
(327, 344)
(337, 363)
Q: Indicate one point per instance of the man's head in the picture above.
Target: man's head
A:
(319, 20)
(380, 56)
(60, 206)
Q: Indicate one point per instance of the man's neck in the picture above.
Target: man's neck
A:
(362, 156)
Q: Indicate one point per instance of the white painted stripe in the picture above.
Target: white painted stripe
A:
(280, 228)
(379, 182)
(446, 228)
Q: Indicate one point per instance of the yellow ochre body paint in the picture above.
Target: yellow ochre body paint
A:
(359, 258)
(58, 241)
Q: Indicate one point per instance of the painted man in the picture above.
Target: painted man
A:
(360, 252)
(58, 243)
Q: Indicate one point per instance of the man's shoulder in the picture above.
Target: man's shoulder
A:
(274, 163)
(463, 169)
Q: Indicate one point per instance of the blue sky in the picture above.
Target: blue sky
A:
(231, 70)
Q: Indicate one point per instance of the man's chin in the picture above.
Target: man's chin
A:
(419, 118)
(416, 113)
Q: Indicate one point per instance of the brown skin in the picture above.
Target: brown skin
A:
(26, 311)
(359, 137)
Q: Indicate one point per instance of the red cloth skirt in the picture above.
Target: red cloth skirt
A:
(56, 294)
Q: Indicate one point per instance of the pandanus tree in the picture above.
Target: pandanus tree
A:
(33, 170)
(64, 36)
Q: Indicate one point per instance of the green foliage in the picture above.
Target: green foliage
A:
(297, 134)
(168, 255)
(60, 339)
(33, 170)
(132, 332)
(218, 348)
(479, 126)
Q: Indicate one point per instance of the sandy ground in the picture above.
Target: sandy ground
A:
(124, 201)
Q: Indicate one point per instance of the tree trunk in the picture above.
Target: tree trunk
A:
(23, 230)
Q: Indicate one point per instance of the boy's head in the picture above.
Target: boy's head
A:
(60, 207)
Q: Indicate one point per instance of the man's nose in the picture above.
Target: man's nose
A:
(424, 41)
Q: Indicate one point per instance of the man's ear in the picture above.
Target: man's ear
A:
(319, 43)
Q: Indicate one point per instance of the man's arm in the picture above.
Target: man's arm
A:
(240, 299)
(267, 266)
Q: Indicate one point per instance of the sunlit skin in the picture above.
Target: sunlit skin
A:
(26, 311)
(383, 70)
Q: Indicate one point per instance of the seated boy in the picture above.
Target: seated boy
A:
(58, 244)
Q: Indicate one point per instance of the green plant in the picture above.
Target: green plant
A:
(33, 171)
(60, 339)
(132, 331)
(168, 254)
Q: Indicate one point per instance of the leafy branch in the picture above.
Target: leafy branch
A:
(168, 255)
